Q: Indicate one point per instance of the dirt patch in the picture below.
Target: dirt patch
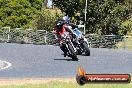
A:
(33, 81)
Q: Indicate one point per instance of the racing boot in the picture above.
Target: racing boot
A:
(64, 50)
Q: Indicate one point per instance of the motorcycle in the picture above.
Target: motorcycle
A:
(81, 43)
(69, 47)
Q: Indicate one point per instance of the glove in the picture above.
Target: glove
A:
(73, 35)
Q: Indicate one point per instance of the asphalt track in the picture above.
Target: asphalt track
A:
(42, 61)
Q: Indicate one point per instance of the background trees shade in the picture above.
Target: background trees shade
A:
(106, 17)
(70, 7)
(103, 16)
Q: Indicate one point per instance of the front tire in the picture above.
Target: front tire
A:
(73, 54)
(86, 49)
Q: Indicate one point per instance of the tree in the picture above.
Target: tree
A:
(70, 7)
(46, 19)
(18, 13)
(106, 17)
(103, 16)
(36, 3)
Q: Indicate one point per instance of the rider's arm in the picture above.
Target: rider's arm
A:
(67, 28)
(74, 26)
(55, 33)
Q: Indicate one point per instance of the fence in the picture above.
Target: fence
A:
(43, 37)
(110, 41)
(19, 35)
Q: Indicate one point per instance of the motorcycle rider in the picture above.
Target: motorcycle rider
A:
(61, 27)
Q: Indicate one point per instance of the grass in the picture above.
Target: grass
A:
(129, 43)
(121, 45)
(61, 84)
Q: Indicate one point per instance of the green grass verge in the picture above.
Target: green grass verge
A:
(57, 84)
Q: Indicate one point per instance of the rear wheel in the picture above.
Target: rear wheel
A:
(86, 49)
(72, 52)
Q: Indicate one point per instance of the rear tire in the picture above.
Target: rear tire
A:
(86, 49)
(73, 54)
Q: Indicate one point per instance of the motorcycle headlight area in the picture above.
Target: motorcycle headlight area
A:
(79, 37)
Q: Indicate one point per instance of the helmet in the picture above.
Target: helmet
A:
(59, 25)
(66, 19)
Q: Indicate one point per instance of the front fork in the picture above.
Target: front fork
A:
(75, 50)
(73, 47)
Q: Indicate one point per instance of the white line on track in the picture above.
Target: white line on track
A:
(8, 64)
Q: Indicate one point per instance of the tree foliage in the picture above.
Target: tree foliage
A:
(46, 19)
(106, 17)
(103, 16)
(18, 13)
(70, 7)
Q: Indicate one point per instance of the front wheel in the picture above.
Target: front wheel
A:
(72, 52)
(86, 49)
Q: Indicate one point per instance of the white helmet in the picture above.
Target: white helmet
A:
(66, 19)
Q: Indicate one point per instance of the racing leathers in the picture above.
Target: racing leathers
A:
(60, 29)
